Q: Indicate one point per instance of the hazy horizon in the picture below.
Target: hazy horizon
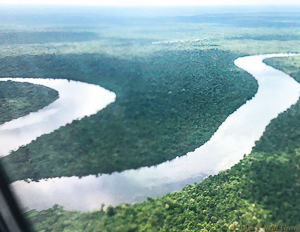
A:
(145, 3)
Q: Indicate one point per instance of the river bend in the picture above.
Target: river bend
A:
(235, 137)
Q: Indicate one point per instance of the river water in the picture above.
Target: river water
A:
(235, 137)
(76, 100)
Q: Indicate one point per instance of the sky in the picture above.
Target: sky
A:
(153, 2)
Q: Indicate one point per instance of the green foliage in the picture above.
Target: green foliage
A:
(167, 104)
(262, 189)
(19, 99)
(283, 133)
(179, 82)
(45, 37)
(268, 37)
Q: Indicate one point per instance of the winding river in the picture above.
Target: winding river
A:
(235, 137)
(76, 100)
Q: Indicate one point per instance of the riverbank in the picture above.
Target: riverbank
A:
(262, 189)
(68, 107)
(259, 190)
(167, 104)
(18, 100)
(234, 138)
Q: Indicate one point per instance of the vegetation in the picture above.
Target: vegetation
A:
(262, 190)
(19, 99)
(283, 133)
(171, 97)
(45, 37)
(186, 94)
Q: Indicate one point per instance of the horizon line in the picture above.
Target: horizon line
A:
(192, 5)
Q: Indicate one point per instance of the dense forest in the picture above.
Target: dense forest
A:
(283, 133)
(171, 98)
(45, 37)
(167, 104)
(261, 191)
(19, 99)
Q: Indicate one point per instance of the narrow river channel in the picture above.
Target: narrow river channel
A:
(235, 137)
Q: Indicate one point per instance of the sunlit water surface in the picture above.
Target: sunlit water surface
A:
(234, 138)
(76, 100)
